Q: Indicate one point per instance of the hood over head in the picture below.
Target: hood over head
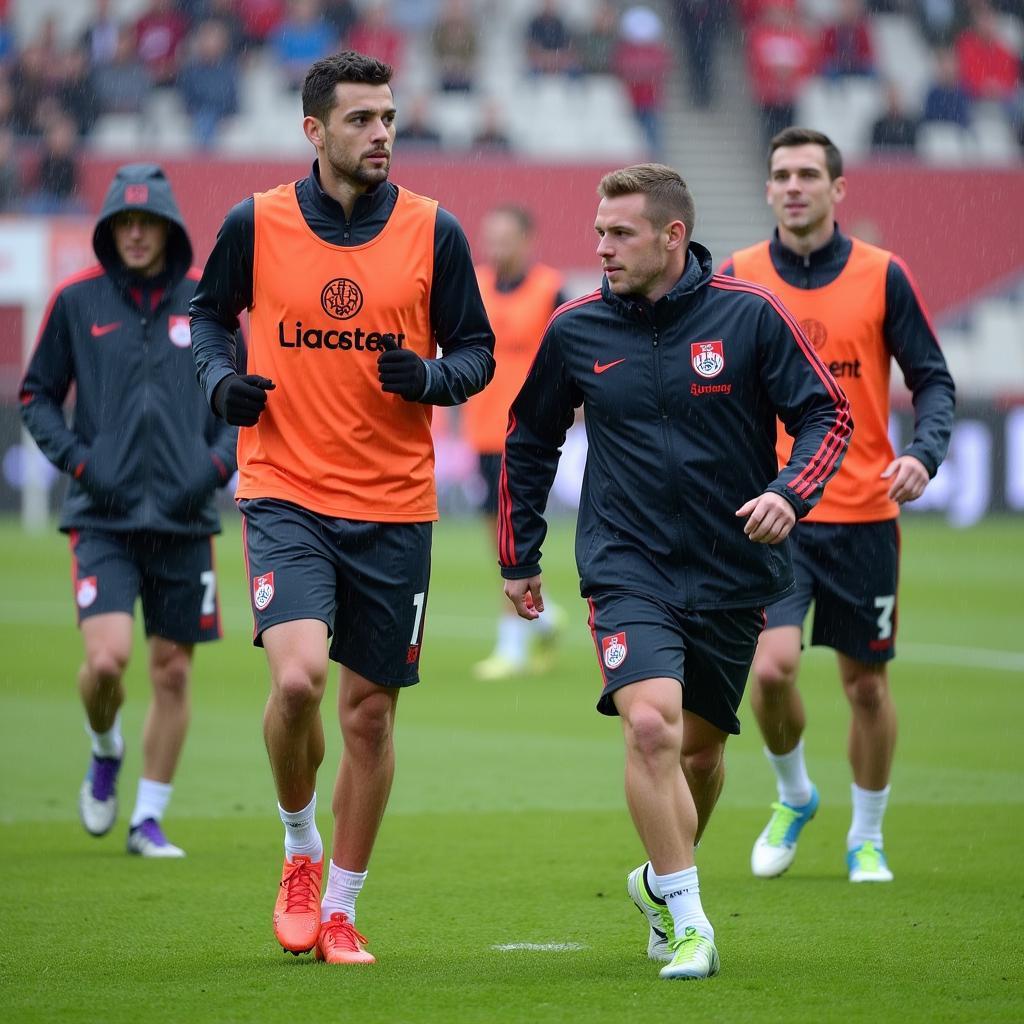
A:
(142, 187)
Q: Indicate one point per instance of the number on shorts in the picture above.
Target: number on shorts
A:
(209, 582)
(417, 601)
(886, 605)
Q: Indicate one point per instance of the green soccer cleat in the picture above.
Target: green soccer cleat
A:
(867, 864)
(662, 932)
(694, 957)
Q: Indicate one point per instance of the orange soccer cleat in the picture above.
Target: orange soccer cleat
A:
(340, 943)
(297, 910)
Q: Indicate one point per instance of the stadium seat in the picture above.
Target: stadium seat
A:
(903, 57)
(116, 134)
(944, 144)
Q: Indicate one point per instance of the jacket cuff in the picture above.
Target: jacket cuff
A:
(520, 572)
(918, 452)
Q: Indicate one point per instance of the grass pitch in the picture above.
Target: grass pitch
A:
(507, 828)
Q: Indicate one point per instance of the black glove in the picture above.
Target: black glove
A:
(401, 372)
(240, 400)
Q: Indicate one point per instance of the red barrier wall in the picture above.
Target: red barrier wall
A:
(960, 231)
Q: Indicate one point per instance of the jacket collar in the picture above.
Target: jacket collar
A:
(695, 276)
(836, 248)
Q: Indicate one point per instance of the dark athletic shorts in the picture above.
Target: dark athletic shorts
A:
(490, 470)
(367, 581)
(639, 637)
(850, 572)
(174, 575)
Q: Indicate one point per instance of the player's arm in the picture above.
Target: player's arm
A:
(458, 320)
(222, 437)
(538, 421)
(812, 406)
(911, 339)
(44, 387)
(224, 290)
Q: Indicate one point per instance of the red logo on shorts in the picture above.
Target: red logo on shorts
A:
(413, 654)
(614, 650)
(262, 590)
(86, 591)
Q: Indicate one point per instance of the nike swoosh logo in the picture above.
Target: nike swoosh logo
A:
(598, 368)
(98, 330)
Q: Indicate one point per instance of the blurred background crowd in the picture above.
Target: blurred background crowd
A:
(939, 80)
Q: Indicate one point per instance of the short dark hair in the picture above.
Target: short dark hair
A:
(519, 214)
(808, 137)
(318, 97)
(667, 196)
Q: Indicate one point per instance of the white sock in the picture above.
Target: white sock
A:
(546, 622)
(150, 801)
(109, 743)
(791, 778)
(512, 638)
(868, 810)
(682, 894)
(301, 838)
(342, 889)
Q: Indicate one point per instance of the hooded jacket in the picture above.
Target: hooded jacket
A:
(143, 449)
(680, 400)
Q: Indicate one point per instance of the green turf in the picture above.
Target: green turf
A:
(507, 825)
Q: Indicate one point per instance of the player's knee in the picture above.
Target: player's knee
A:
(866, 690)
(297, 694)
(106, 663)
(650, 733)
(773, 675)
(705, 762)
(368, 724)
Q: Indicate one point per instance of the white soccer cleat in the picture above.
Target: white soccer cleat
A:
(661, 931)
(694, 957)
(147, 839)
(775, 848)
(867, 863)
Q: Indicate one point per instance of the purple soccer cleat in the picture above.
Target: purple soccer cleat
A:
(147, 839)
(97, 799)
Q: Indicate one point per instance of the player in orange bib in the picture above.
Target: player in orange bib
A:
(520, 296)
(861, 309)
(351, 283)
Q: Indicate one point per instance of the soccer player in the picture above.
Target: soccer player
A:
(860, 308)
(351, 283)
(684, 514)
(144, 455)
(519, 295)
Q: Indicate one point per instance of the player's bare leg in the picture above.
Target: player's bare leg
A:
(292, 728)
(872, 741)
(703, 763)
(666, 817)
(779, 710)
(107, 640)
(163, 736)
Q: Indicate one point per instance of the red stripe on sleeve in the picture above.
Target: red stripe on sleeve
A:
(506, 533)
(917, 295)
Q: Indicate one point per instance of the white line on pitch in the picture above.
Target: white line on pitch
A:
(539, 947)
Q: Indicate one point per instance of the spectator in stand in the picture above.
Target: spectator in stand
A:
(781, 55)
(846, 44)
(100, 36)
(342, 16)
(226, 12)
(300, 39)
(10, 175)
(596, 45)
(208, 82)
(989, 69)
(260, 19)
(940, 20)
(491, 134)
(642, 62)
(456, 44)
(414, 17)
(159, 35)
(56, 177)
(549, 45)
(947, 99)
(31, 84)
(375, 34)
(77, 93)
(700, 24)
(895, 131)
(123, 83)
(414, 126)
